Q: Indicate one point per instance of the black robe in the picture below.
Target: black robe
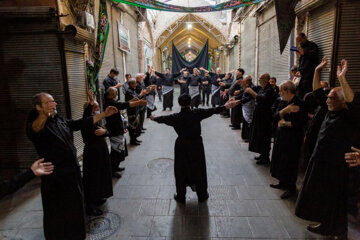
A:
(323, 196)
(13, 184)
(236, 112)
(190, 164)
(96, 164)
(183, 86)
(307, 65)
(194, 81)
(287, 145)
(215, 97)
(62, 191)
(167, 80)
(206, 89)
(261, 126)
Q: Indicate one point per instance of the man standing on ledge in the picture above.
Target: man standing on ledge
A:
(62, 191)
(190, 164)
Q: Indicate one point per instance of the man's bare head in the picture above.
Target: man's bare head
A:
(336, 99)
(287, 90)
(264, 79)
(111, 93)
(45, 104)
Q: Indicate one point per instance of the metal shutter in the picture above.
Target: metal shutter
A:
(270, 59)
(76, 75)
(31, 63)
(248, 41)
(321, 31)
(349, 40)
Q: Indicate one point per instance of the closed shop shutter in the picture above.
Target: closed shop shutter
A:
(321, 31)
(248, 41)
(270, 60)
(349, 40)
(76, 75)
(30, 63)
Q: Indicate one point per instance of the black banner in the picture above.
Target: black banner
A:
(179, 62)
(285, 16)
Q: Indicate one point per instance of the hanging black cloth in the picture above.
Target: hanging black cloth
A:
(179, 62)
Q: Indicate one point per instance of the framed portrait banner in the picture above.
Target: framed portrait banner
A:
(124, 38)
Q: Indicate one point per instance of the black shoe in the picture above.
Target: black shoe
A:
(120, 169)
(164, 109)
(135, 143)
(139, 141)
(277, 186)
(116, 175)
(235, 128)
(246, 140)
(231, 125)
(143, 129)
(193, 187)
(257, 158)
(263, 161)
(287, 194)
(203, 199)
(179, 200)
(315, 228)
(93, 211)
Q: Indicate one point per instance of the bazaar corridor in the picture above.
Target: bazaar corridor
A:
(241, 204)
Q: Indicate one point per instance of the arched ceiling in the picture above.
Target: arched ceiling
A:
(200, 32)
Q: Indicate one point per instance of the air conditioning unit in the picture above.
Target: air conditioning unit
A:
(87, 20)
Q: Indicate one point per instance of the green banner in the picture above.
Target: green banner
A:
(102, 35)
(156, 5)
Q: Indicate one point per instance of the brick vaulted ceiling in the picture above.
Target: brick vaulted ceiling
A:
(179, 33)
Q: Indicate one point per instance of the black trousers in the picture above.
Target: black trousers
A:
(159, 92)
(205, 93)
(245, 133)
(116, 159)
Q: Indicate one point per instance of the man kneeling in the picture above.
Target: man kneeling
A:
(190, 165)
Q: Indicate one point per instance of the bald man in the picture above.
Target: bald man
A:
(323, 196)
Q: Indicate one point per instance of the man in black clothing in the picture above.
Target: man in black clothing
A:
(182, 82)
(215, 87)
(273, 84)
(167, 82)
(115, 126)
(133, 113)
(61, 192)
(236, 112)
(206, 89)
(111, 81)
(194, 84)
(38, 168)
(290, 117)
(261, 126)
(225, 85)
(309, 54)
(190, 163)
(323, 197)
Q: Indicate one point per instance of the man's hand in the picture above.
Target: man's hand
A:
(100, 132)
(237, 92)
(283, 123)
(322, 64)
(222, 84)
(249, 90)
(91, 96)
(110, 110)
(134, 99)
(118, 85)
(341, 70)
(226, 90)
(218, 79)
(152, 117)
(142, 102)
(206, 82)
(291, 108)
(232, 103)
(353, 158)
(301, 51)
(238, 81)
(40, 168)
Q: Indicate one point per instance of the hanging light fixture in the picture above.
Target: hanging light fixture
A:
(189, 26)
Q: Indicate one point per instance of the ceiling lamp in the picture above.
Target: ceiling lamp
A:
(189, 39)
(189, 26)
(189, 45)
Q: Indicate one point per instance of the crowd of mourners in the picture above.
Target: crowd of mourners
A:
(313, 127)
